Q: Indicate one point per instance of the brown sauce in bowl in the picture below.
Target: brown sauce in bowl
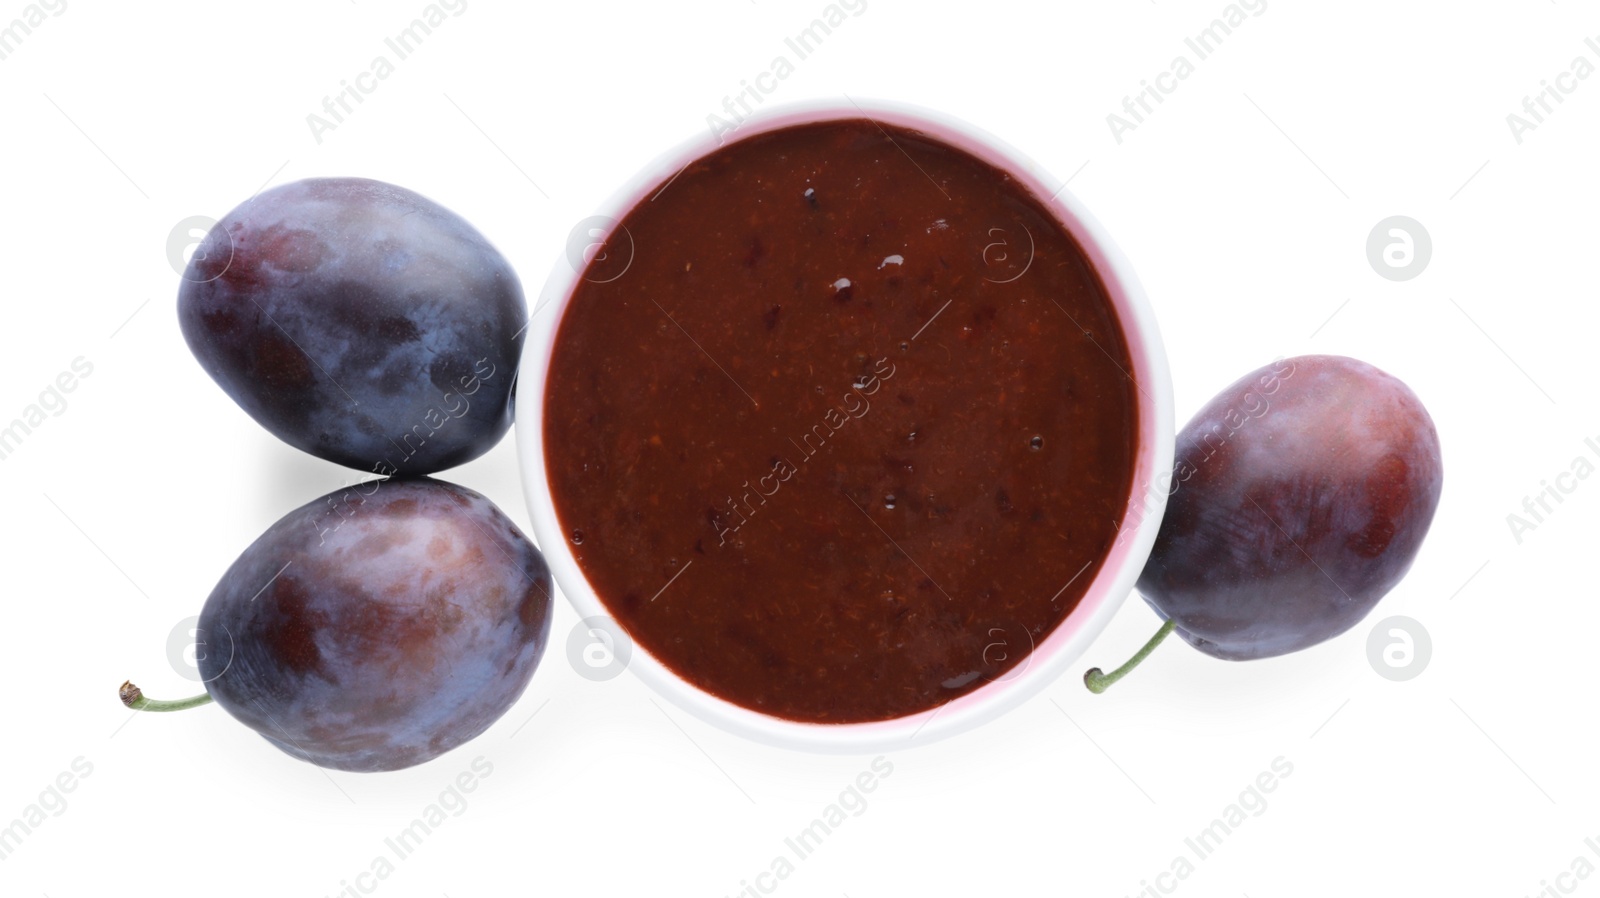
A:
(851, 433)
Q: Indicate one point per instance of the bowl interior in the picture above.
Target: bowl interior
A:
(1111, 585)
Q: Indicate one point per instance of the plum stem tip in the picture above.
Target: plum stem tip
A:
(1099, 682)
(133, 697)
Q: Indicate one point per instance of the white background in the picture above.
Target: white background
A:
(1244, 202)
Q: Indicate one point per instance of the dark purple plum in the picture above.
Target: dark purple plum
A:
(1301, 495)
(360, 322)
(379, 626)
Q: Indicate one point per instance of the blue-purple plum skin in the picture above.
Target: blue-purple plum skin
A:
(360, 322)
(1301, 495)
(379, 626)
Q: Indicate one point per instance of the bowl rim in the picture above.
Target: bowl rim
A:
(1122, 564)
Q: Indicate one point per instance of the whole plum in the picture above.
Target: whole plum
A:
(379, 626)
(1301, 496)
(360, 322)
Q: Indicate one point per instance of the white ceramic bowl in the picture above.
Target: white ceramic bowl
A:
(1111, 586)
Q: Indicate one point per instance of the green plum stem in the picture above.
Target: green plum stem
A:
(1098, 682)
(134, 698)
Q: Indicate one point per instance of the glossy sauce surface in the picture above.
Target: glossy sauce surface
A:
(839, 423)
